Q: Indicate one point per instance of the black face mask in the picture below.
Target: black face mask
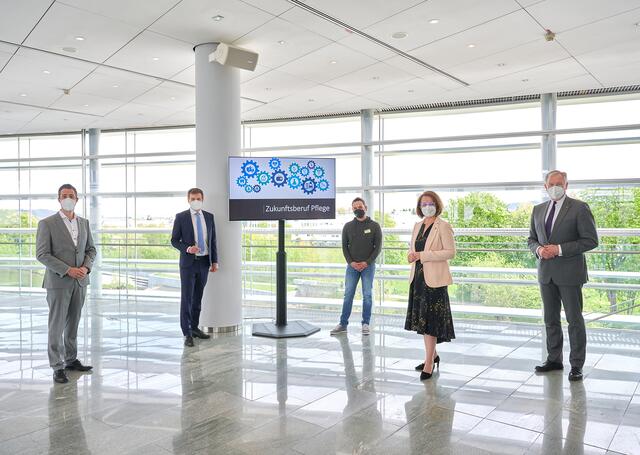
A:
(359, 213)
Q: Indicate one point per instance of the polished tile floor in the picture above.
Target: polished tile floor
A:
(238, 394)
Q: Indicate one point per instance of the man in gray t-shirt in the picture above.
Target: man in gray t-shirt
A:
(361, 244)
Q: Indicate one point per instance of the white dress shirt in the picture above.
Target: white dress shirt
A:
(204, 231)
(559, 203)
(72, 226)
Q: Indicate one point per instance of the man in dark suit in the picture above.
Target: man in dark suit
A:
(65, 246)
(194, 235)
(562, 230)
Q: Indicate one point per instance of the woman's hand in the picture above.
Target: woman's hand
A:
(413, 256)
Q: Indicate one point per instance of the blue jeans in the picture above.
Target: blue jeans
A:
(351, 279)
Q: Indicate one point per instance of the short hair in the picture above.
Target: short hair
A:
(555, 172)
(68, 186)
(436, 200)
(358, 199)
(195, 191)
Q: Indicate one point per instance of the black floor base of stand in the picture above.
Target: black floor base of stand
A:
(292, 329)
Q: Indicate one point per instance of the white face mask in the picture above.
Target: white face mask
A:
(555, 192)
(428, 210)
(196, 205)
(68, 204)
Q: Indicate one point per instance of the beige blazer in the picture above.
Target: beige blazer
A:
(439, 249)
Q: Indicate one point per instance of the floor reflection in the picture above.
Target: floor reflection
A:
(238, 395)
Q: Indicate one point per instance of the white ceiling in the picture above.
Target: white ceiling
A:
(134, 66)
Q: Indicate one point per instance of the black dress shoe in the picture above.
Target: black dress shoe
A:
(60, 377)
(77, 366)
(188, 341)
(200, 334)
(575, 374)
(435, 361)
(549, 366)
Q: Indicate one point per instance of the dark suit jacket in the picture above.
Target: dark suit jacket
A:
(183, 237)
(575, 232)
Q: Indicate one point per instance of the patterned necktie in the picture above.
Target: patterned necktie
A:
(549, 223)
(200, 235)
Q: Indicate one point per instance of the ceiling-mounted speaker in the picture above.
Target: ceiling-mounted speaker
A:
(228, 55)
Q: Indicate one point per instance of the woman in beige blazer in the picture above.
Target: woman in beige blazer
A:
(429, 312)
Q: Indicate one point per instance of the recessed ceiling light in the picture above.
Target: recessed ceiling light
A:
(471, 46)
(79, 38)
(23, 94)
(115, 86)
(399, 35)
(282, 42)
(434, 21)
(85, 105)
(217, 18)
(69, 49)
(333, 62)
(46, 72)
(155, 59)
(173, 98)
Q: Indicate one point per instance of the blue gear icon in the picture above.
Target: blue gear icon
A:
(309, 186)
(279, 178)
(318, 172)
(274, 163)
(241, 181)
(256, 188)
(294, 168)
(323, 185)
(294, 182)
(263, 178)
(250, 168)
(311, 164)
(304, 171)
(248, 188)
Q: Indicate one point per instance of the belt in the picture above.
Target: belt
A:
(201, 258)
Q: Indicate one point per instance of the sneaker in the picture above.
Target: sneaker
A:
(338, 329)
(365, 329)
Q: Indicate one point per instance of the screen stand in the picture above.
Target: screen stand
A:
(282, 329)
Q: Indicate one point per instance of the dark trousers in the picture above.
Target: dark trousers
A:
(570, 297)
(192, 282)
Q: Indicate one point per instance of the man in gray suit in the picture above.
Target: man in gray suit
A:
(65, 246)
(562, 230)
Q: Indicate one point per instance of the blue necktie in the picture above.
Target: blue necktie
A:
(200, 235)
(549, 223)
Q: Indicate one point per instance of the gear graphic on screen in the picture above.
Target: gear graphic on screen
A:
(294, 182)
(318, 172)
(311, 164)
(323, 185)
(275, 163)
(279, 178)
(294, 168)
(241, 181)
(256, 188)
(304, 171)
(263, 178)
(309, 186)
(248, 188)
(250, 168)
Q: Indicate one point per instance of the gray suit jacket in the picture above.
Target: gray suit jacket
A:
(55, 249)
(575, 232)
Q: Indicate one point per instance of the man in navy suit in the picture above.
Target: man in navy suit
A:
(194, 235)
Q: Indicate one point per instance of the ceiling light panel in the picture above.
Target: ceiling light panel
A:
(127, 85)
(62, 23)
(140, 13)
(19, 17)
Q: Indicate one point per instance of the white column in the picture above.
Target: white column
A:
(367, 159)
(218, 137)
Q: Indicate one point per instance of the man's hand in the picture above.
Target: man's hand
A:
(363, 265)
(548, 251)
(214, 267)
(193, 250)
(357, 266)
(77, 273)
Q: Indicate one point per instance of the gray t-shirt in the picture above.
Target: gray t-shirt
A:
(361, 241)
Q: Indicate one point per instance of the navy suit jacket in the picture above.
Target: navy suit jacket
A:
(183, 237)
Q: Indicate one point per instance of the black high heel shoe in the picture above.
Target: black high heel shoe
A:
(424, 375)
(435, 361)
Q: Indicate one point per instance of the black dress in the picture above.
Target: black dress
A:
(429, 312)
